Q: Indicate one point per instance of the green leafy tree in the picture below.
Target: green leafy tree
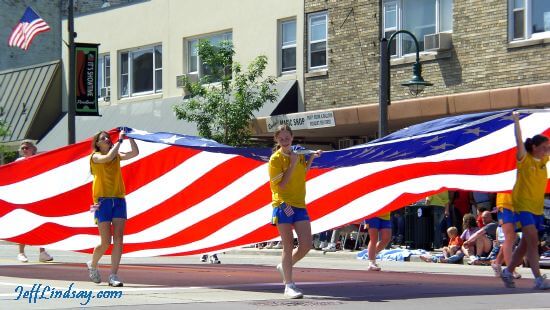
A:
(5, 154)
(222, 102)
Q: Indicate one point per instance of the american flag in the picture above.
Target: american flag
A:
(29, 26)
(188, 195)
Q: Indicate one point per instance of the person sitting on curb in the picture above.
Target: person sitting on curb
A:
(452, 253)
(482, 239)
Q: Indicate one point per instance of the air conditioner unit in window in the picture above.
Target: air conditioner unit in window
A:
(105, 93)
(345, 143)
(193, 77)
(438, 41)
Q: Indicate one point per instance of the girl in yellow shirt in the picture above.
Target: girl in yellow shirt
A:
(528, 202)
(287, 175)
(108, 195)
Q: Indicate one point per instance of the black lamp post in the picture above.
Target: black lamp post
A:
(416, 84)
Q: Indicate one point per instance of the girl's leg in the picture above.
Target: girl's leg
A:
(385, 237)
(303, 230)
(287, 239)
(508, 244)
(373, 233)
(118, 237)
(21, 248)
(530, 234)
(105, 235)
(518, 254)
(483, 246)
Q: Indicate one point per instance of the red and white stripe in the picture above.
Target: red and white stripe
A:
(24, 33)
(183, 201)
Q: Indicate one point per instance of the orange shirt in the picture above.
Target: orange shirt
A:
(456, 241)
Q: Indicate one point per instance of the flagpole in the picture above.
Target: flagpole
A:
(72, 73)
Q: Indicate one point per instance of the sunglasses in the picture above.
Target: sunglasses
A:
(24, 148)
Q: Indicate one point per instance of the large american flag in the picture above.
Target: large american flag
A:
(188, 195)
(29, 26)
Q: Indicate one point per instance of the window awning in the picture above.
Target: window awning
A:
(29, 100)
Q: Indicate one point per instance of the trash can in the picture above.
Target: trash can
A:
(419, 227)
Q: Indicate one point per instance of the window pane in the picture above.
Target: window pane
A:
(158, 57)
(99, 75)
(418, 18)
(393, 46)
(289, 33)
(445, 15)
(124, 63)
(107, 71)
(193, 56)
(318, 28)
(142, 71)
(390, 15)
(519, 22)
(541, 15)
(289, 59)
(158, 80)
(518, 4)
(318, 54)
(124, 85)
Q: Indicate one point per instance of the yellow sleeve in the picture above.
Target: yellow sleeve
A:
(275, 170)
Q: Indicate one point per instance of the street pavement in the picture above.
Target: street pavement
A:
(247, 279)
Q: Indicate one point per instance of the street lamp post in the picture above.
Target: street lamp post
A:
(416, 84)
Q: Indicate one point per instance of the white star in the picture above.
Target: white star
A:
(139, 132)
(441, 147)
(172, 140)
(364, 153)
(508, 117)
(394, 154)
(475, 131)
(379, 154)
(434, 139)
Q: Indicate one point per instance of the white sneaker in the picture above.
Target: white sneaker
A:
(497, 269)
(204, 258)
(45, 257)
(331, 247)
(541, 283)
(292, 291)
(323, 244)
(278, 246)
(93, 273)
(22, 257)
(373, 267)
(280, 270)
(115, 281)
(516, 275)
(214, 259)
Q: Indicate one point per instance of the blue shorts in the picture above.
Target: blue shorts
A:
(507, 216)
(527, 218)
(110, 208)
(285, 214)
(378, 223)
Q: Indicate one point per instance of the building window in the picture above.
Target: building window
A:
(529, 19)
(141, 71)
(421, 17)
(104, 77)
(317, 40)
(288, 46)
(194, 64)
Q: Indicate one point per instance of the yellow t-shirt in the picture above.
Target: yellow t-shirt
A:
(294, 192)
(439, 199)
(504, 201)
(385, 216)
(528, 193)
(107, 179)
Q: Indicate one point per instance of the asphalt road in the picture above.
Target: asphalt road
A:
(247, 279)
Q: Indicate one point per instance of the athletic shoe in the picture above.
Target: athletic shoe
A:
(279, 245)
(331, 247)
(115, 281)
(93, 273)
(292, 291)
(45, 257)
(472, 259)
(374, 267)
(497, 269)
(508, 278)
(214, 259)
(517, 275)
(22, 257)
(280, 270)
(541, 283)
(204, 258)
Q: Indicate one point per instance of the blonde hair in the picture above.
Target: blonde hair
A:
(30, 144)
(452, 230)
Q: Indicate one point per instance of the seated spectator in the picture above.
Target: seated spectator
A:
(480, 242)
(452, 253)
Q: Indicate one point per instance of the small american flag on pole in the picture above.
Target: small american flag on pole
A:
(288, 210)
(29, 26)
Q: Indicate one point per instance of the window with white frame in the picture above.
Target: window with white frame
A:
(421, 17)
(317, 40)
(529, 19)
(104, 76)
(287, 32)
(141, 71)
(194, 63)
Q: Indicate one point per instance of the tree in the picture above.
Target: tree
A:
(223, 100)
(4, 131)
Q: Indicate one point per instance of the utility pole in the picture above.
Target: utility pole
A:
(72, 73)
